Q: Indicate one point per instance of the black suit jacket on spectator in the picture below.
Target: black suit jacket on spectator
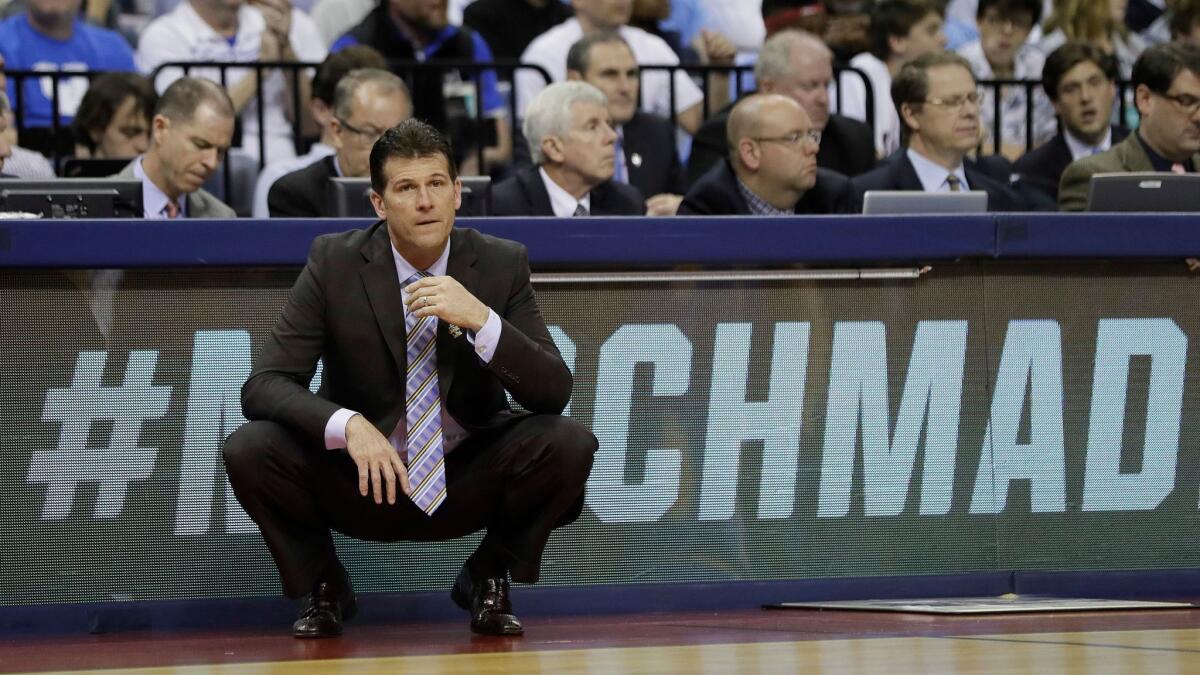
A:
(1041, 168)
(524, 194)
(508, 26)
(716, 194)
(303, 193)
(652, 139)
(897, 173)
(847, 146)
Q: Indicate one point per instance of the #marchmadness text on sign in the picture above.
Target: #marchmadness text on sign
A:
(981, 418)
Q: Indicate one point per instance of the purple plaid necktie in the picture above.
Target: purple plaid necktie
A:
(426, 466)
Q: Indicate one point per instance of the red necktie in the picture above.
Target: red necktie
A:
(1178, 168)
(171, 210)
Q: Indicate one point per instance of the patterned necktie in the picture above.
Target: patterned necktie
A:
(955, 183)
(426, 465)
(580, 210)
(171, 210)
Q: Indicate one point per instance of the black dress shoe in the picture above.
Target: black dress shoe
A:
(488, 602)
(324, 610)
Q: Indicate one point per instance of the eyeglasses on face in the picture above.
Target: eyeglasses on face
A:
(1188, 103)
(795, 138)
(370, 135)
(957, 102)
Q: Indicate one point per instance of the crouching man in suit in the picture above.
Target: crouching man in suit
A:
(422, 327)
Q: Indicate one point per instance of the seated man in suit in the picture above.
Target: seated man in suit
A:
(645, 153)
(423, 328)
(799, 65)
(1080, 79)
(366, 103)
(572, 143)
(772, 169)
(189, 134)
(1166, 80)
(938, 105)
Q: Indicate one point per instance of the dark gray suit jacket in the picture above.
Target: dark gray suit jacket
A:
(1125, 157)
(897, 173)
(303, 193)
(524, 194)
(200, 204)
(345, 309)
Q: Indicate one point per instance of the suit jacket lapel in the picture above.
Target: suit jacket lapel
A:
(383, 292)
(1132, 156)
(535, 191)
(460, 266)
(906, 175)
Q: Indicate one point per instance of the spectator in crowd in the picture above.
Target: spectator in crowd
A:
(1096, 21)
(240, 31)
(324, 84)
(189, 135)
(772, 167)
(644, 155)
(1080, 79)
(1166, 81)
(420, 31)
(5, 146)
(1185, 21)
(51, 36)
(21, 162)
(367, 103)
(335, 17)
(798, 65)
(508, 26)
(739, 20)
(901, 31)
(113, 121)
(1003, 52)
(549, 50)
(572, 143)
(938, 103)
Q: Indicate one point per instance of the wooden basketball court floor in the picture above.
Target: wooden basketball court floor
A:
(1158, 642)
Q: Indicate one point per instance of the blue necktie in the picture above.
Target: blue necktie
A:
(619, 162)
(426, 464)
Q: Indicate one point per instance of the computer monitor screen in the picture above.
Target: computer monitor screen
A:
(899, 202)
(73, 197)
(87, 167)
(350, 197)
(1178, 192)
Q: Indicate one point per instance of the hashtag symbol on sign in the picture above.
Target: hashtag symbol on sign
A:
(77, 408)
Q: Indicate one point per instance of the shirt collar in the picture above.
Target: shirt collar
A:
(1080, 148)
(933, 176)
(758, 205)
(155, 200)
(405, 269)
(1160, 163)
(561, 201)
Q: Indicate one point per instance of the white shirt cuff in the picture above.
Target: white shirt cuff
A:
(335, 429)
(486, 339)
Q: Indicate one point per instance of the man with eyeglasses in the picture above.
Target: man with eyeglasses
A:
(366, 103)
(1080, 79)
(772, 166)
(189, 136)
(938, 104)
(1166, 81)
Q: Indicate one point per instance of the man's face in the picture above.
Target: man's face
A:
(427, 15)
(1001, 35)
(787, 156)
(127, 133)
(1171, 121)
(604, 13)
(807, 83)
(612, 69)
(372, 113)
(948, 122)
(588, 147)
(418, 202)
(1085, 99)
(925, 37)
(189, 151)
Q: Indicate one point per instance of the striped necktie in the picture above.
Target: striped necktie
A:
(955, 183)
(426, 464)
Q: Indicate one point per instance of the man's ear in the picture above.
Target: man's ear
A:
(908, 116)
(749, 153)
(897, 44)
(574, 75)
(158, 128)
(1142, 99)
(552, 149)
(378, 203)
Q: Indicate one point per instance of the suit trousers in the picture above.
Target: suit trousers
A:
(518, 483)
